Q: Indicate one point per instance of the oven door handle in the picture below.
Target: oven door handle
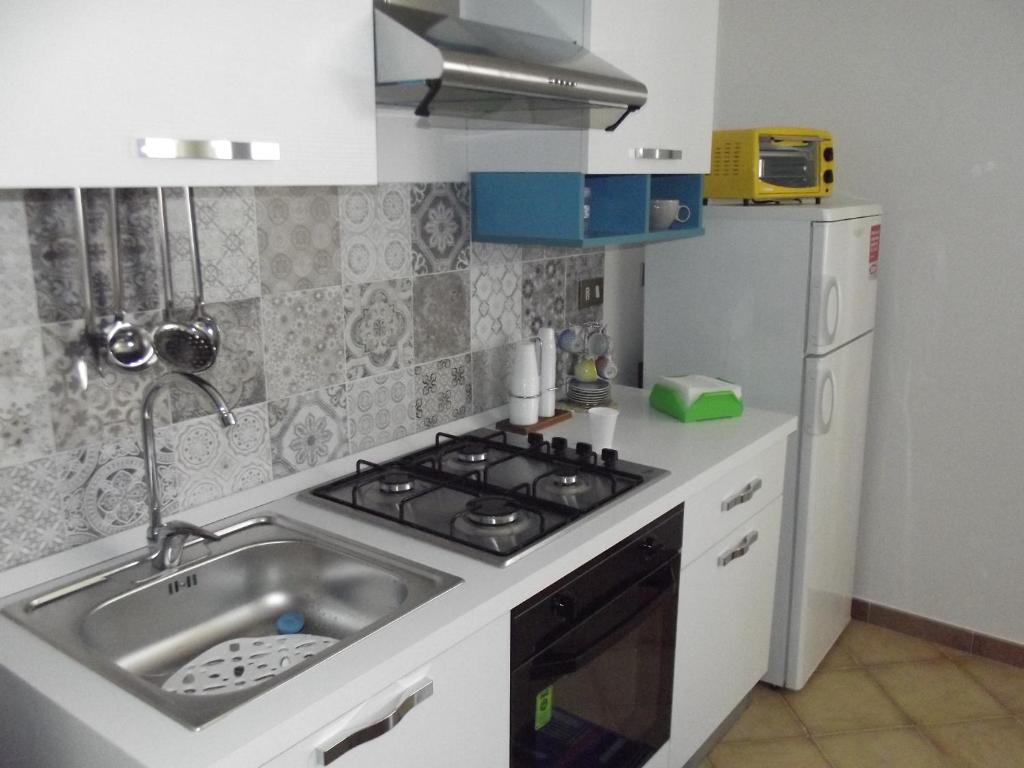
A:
(561, 664)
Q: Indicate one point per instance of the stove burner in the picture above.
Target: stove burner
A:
(565, 478)
(492, 511)
(396, 482)
(472, 453)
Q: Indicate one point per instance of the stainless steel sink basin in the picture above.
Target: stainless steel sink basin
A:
(137, 626)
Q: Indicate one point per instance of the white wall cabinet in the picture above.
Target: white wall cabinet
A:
(726, 601)
(463, 723)
(83, 81)
(670, 46)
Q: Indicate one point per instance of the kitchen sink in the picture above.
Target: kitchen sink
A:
(138, 626)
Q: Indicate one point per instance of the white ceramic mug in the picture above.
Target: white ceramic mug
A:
(665, 213)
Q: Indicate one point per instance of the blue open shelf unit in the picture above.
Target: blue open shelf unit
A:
(547, 208)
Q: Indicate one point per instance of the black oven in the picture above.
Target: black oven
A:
(593, 657)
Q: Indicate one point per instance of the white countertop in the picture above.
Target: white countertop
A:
(694, 454)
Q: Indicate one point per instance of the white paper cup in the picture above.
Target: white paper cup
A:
(602, 427)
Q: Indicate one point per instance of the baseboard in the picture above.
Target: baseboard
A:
(965, 640)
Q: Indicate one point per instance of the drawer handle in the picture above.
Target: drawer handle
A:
(739, 550)
(657, 153)
(379, 728)
(742, 496)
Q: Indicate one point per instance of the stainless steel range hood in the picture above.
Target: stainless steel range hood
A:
(445, 65)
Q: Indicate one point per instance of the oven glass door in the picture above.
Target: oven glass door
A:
(789, 162)
(601, 695)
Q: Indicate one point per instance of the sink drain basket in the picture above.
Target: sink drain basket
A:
(244, 662)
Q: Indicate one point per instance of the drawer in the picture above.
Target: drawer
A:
(717, 509)
(726, 602)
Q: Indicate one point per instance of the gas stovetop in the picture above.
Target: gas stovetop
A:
(489, 493)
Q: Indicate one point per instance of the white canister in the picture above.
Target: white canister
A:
(524, 385)
(547, 372)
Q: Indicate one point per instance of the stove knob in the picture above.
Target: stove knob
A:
(609, 457)
(584, 450)
(559, 444)
(535, 439)
(563, 607)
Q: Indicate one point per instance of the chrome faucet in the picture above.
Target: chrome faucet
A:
(167, 539)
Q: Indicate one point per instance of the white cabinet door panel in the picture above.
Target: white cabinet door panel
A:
(670, 46)
(83, 81)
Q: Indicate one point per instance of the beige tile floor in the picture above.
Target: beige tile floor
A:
(885, 700)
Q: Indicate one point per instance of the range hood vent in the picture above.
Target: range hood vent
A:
(448, 66)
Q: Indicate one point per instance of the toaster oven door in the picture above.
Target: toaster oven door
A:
(789, 162)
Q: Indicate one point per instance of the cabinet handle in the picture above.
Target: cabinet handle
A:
(207, 149)
(739, 550)
(657, 153)
(326, 756)
(742, 496)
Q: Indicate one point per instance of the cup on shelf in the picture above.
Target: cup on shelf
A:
(665, 213)
(602, 427)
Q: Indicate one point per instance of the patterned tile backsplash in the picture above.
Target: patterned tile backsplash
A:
(351, 317)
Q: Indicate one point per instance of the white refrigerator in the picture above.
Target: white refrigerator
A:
(781, 300)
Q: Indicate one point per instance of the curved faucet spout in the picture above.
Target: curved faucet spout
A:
(156, 534)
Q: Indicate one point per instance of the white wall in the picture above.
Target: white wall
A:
(925, 99)
(624, 309)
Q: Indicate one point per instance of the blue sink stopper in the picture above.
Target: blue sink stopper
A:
(290, 623)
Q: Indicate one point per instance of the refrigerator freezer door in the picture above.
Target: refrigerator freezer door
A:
(844, 282)
(828, 503)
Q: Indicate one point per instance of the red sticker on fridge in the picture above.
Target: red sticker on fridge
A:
(876, 238)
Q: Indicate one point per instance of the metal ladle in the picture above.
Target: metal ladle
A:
(129, 346)
(190, 346)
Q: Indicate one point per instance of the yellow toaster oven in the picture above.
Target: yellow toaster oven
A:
(763, 164)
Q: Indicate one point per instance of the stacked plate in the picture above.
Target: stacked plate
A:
(589, 392)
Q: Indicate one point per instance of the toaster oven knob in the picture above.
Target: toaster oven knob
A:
(564, 607)
(828, 176)
(559, 444)
(828, 154)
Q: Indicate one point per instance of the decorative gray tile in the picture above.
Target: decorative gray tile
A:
(490, 373)
(17, 287)
(375, 232)
(303, 340)
(238, 372)
(441, 306)
(112, 406)
(381, 409)
(31, 519)
(489, 254)
(209, 461)
(378, 327)
(439, 219)
(228, 250)
(298, 236)
(141, 259)
(26, 432)
(582, 267)
(496, 304)
(308, 430)
(444, 391)
(543, 295)
(56, 261)
(538, 252)
(103, 488)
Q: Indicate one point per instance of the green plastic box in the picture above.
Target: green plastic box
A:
(710, 405)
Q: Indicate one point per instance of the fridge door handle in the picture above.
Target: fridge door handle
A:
(819, 420)
(830, 319)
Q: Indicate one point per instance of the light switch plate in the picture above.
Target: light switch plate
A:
(591, 292)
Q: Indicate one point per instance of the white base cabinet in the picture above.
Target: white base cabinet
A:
(726, 602)
(463, 722)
